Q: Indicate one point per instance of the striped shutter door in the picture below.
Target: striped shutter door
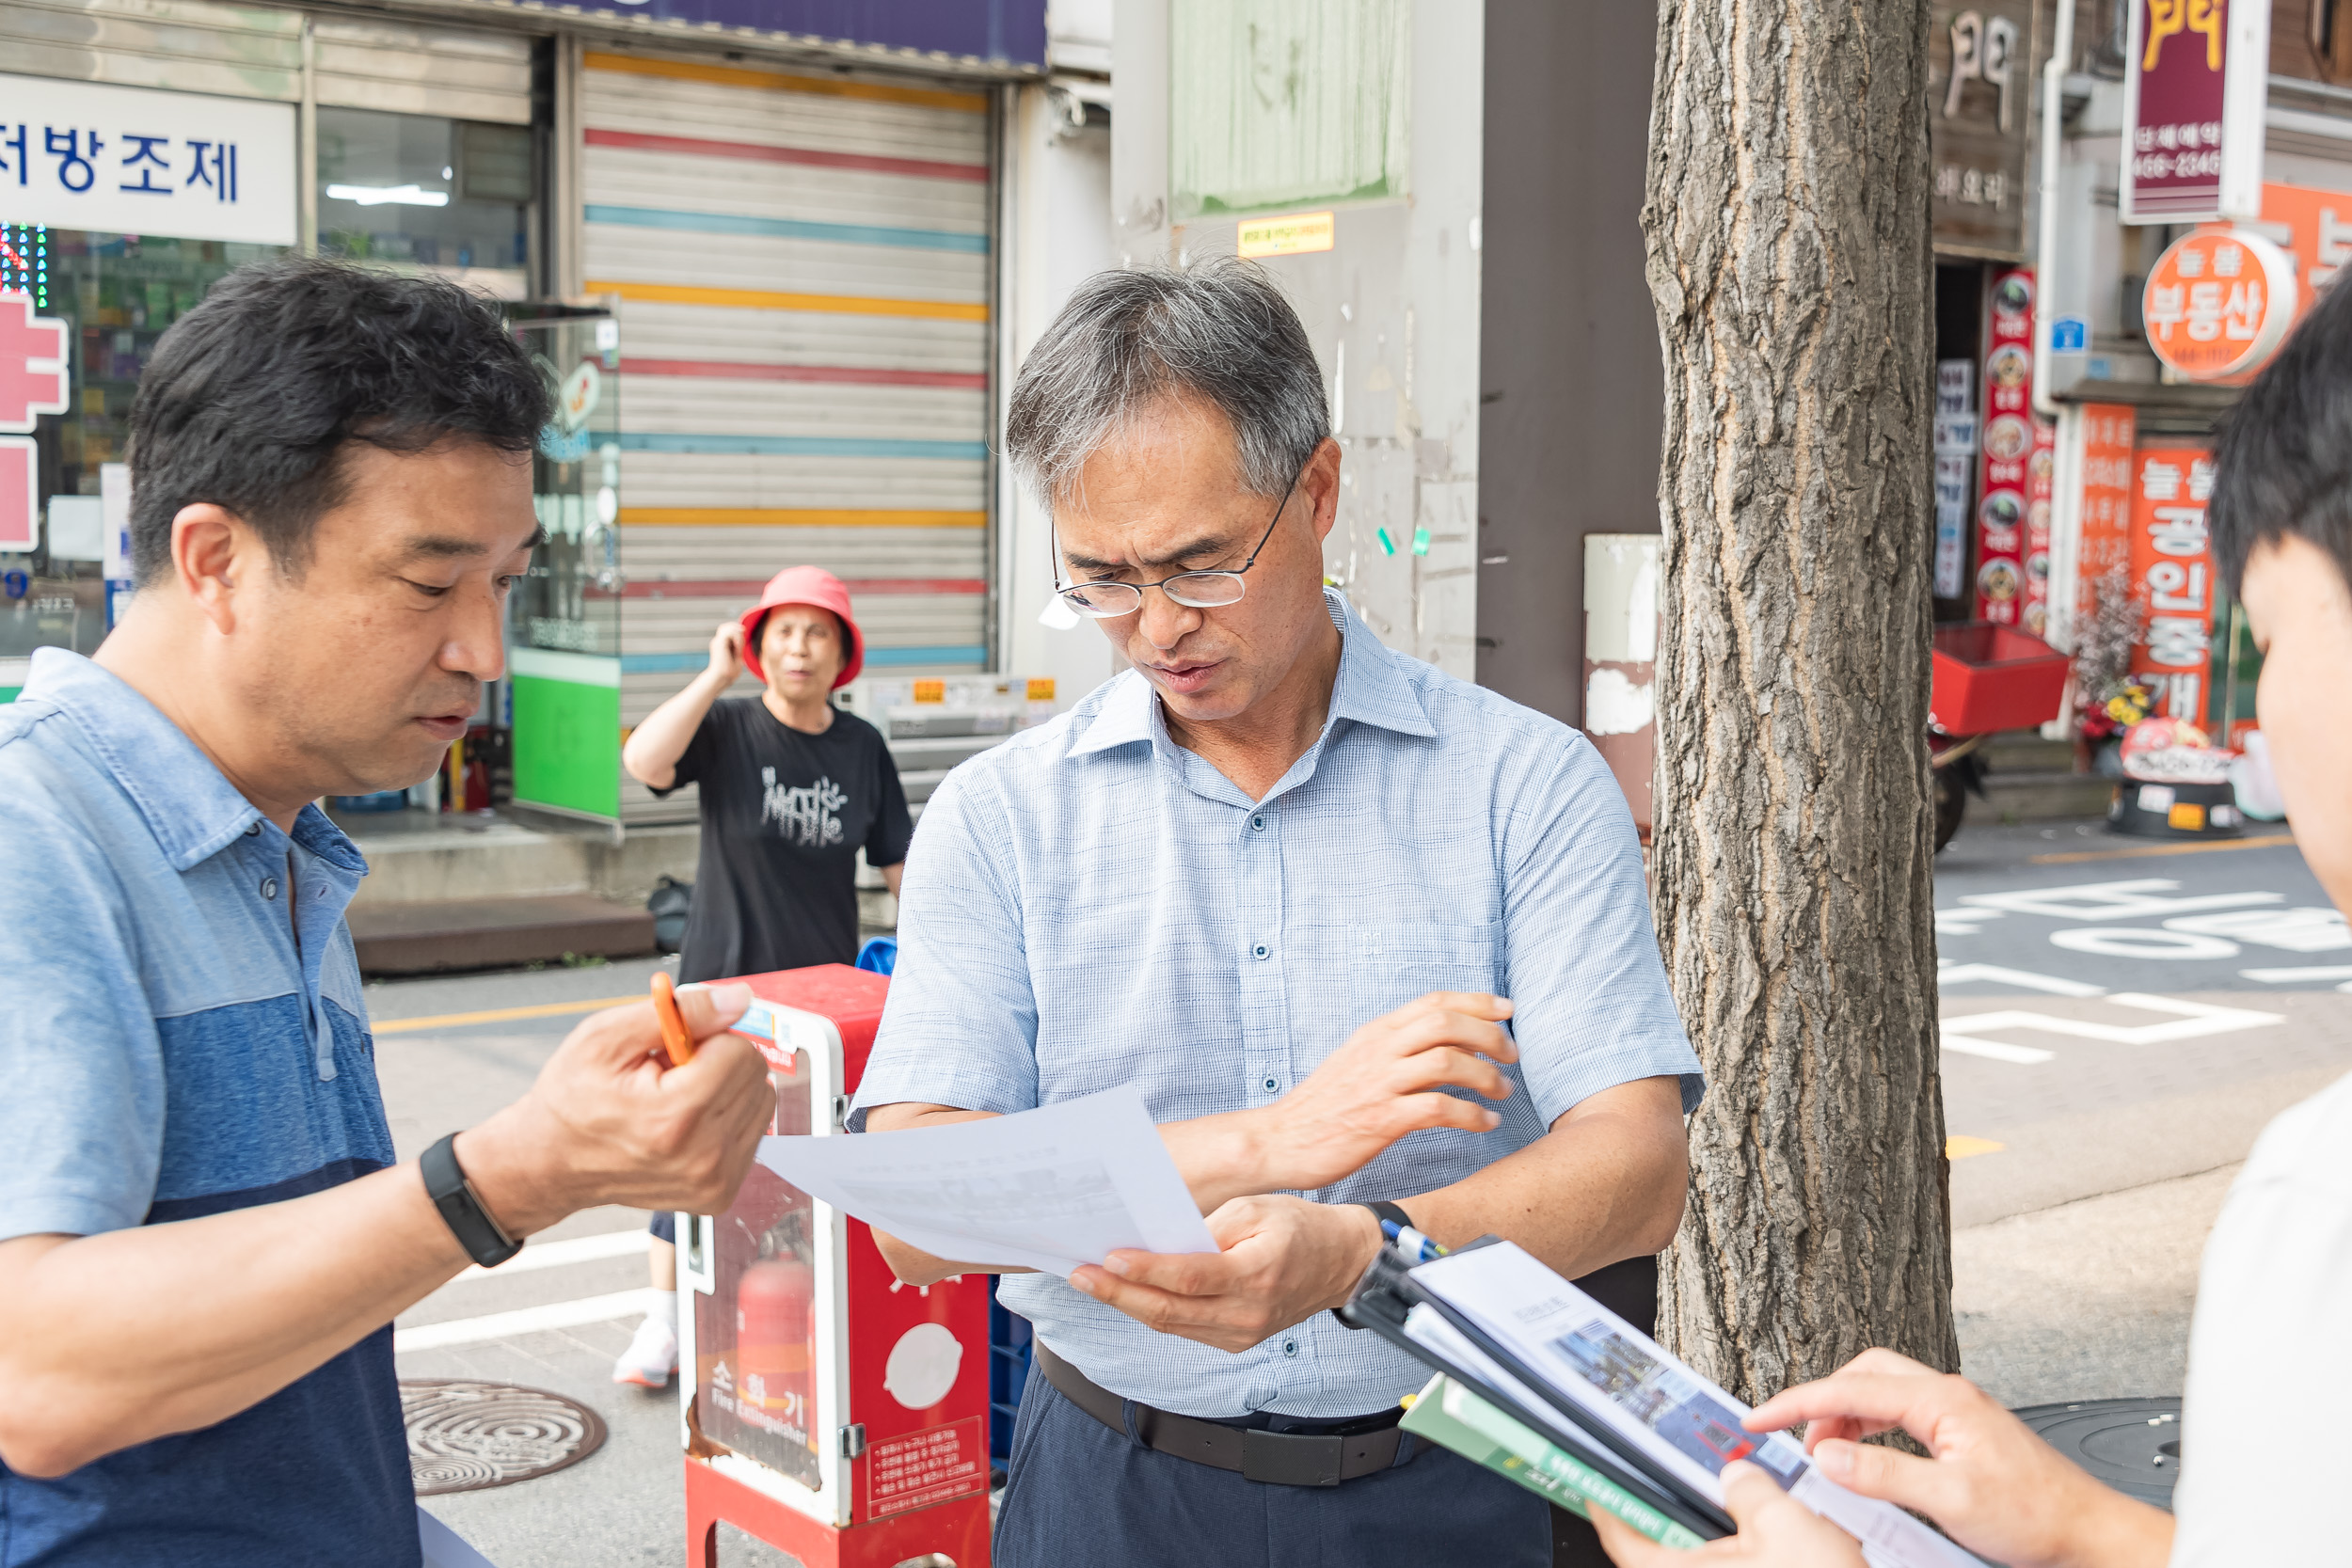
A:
(803, 268)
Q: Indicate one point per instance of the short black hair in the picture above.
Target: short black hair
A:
(2283, 465)
(251, 397)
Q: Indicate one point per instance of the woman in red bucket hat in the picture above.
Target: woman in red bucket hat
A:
(791, 788)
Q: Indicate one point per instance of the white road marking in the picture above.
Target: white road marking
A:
(2298, 930)
(1963, 923)
(2190, 1021)
(2141, 942)
(2023, 1055)
(2130, 900)
(525, 1320)
(2307, 973)
(1960, 974)
(555, 1255)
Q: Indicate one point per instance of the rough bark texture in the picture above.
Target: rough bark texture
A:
(1788, 257)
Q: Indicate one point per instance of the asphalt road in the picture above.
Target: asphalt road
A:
(2119, 1026)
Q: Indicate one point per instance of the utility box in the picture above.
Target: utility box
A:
(823, 1406)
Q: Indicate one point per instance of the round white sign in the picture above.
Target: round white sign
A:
(923, 1365)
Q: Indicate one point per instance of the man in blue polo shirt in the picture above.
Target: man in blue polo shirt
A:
(203, 1235)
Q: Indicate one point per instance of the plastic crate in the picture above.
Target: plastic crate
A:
(1990, 678)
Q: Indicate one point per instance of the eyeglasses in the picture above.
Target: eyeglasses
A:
(1107, 601)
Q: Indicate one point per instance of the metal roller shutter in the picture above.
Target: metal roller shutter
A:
(235, 51)
(401, 68)
(256, 51)
(803, 269)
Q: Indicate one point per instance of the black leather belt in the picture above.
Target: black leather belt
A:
(1280, 1458)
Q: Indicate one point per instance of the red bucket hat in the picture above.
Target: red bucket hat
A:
(808, 585)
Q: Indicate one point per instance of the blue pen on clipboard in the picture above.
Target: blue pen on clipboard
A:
(1416, 1247)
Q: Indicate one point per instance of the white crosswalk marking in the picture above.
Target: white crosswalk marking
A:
(523, 1320)
(1960, 974)
(2307, 974)
(2131, 900)
(554, 1255)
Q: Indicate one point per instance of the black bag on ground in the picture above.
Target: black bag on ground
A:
(672, 901)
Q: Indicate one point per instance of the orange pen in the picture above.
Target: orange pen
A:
(674, 1040)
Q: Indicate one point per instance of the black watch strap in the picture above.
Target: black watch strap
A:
(1392, 1212)
(454, 1196)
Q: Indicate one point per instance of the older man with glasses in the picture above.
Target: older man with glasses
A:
(1373, 942)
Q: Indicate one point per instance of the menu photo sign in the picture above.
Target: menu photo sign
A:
(2195, 88)
(2015, 461)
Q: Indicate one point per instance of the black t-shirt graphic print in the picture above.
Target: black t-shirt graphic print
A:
(783, 815)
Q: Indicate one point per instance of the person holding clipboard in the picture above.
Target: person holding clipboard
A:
(2268, 1358)
(792, 789)
(205, 1231)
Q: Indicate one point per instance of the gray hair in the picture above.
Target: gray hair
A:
(1220, 331)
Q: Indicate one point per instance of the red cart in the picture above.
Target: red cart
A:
(1988, 678)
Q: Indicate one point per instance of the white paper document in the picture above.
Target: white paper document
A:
(1623, 1378)
(1047, 1189)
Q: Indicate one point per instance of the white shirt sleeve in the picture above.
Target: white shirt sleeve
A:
(2270, 1354)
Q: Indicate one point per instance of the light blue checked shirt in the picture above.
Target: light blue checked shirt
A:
(1090, 905)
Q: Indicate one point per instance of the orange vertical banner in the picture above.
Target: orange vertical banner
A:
(2109, 432)
(2171, 574)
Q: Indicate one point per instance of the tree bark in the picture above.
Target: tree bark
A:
(1790, 262)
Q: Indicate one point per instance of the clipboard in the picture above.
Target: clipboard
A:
(1387, 1295)
(1613, 1400)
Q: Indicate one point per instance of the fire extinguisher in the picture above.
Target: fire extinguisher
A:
(775, 1342)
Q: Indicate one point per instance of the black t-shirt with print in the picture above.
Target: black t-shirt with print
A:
(783, 815)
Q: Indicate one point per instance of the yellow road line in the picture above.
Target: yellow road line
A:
(770, 300)
(777, 81)
(706, 516)
(1959, 1146)
(2265, 841)
(499, 1015)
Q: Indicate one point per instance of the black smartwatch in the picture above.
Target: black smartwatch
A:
(1393, 1214)
(454, 1196)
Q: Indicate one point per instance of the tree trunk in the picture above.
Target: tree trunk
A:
(1788, 257)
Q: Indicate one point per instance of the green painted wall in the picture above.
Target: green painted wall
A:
(567, 745)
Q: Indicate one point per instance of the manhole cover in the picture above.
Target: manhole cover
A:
(2132, 1445)
(465, 1436)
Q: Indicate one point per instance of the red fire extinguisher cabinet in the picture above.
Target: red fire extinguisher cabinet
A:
(824, 1407)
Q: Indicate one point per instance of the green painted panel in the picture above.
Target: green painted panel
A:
(1285, 102)
(7, 693)
(567, 745)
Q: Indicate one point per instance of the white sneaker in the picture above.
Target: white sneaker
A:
(651, 1357)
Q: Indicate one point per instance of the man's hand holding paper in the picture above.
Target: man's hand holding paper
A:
(1285, 1258)
(1047, 1189)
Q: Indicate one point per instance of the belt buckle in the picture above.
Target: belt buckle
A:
(1291, 1458)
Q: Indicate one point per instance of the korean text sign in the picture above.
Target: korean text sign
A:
(2218, 302)
(2195, 88)
(2172, 576)
(2109, 432)
(134, 161)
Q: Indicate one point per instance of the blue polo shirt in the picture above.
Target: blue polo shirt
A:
(1090, 905)
(174, 1042)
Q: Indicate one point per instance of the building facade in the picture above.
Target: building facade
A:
(760, 249)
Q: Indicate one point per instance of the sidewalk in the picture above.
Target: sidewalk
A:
(2087, 1300)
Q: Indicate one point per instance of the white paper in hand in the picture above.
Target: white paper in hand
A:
(1047, 1189)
